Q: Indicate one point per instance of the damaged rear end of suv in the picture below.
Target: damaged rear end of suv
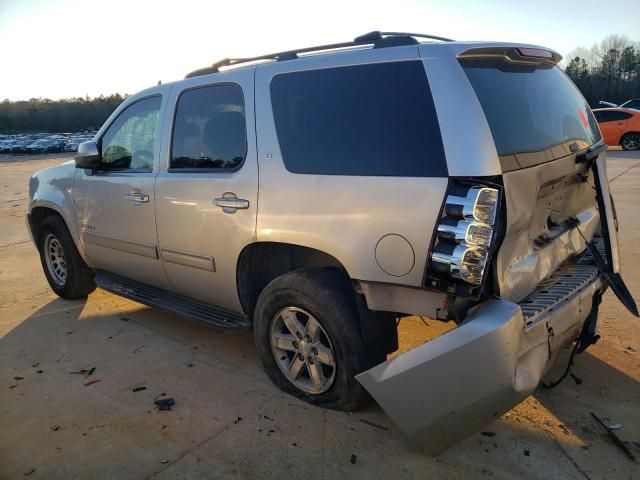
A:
(524, 248)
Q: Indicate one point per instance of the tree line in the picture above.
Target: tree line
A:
(65, 115)
(609, 70)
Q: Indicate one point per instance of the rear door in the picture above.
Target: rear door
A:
(207, 190)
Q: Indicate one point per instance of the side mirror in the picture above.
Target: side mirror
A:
(88, 156)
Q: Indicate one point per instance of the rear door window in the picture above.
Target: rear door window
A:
(535, 112)
(376, 120)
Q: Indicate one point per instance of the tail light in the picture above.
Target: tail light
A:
(465, 235)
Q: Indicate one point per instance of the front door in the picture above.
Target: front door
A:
(207, 192)
(115, 204)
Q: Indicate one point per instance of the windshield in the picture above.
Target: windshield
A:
(536, 114)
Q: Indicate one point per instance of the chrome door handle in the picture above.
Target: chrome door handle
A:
(138, 197)
(231, 203)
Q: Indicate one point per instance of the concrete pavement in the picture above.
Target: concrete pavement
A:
(229, 421)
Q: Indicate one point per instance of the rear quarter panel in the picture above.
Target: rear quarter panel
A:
(344, 216)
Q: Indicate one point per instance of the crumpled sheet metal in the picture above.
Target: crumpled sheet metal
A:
(449, 388)
(534, 196)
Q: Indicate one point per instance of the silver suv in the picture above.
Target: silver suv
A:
(316, 196)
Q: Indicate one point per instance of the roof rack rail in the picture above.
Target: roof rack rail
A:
(376, 38)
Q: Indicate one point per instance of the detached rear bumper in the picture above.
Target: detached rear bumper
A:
(450, 387)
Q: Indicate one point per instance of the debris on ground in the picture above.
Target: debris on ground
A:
(164, 460)
(125, 319)
(164, 404)
(237, 420)
(29, 472)
(576, 379)
(18, 378)
(139, 348)
(488, 434)
(614, 426)
(630, 349)
(84, 371)
(188, 364)
(527, 453)
(38, 371)
(91, 382)
(375, 425)
(139, 389)
(35, 365)
(55, 428)
(353, 459)
(615, 438)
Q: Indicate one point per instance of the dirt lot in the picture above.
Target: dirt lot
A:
(230, 422)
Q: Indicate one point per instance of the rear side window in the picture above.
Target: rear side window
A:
(209, 129)
(376, 120)
(531, 109)
(604, 116)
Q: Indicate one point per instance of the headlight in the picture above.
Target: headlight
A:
(461, 250)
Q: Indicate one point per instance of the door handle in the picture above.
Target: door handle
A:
(231, 204)
(137, 197)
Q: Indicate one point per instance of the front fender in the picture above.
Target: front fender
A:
(52, 188)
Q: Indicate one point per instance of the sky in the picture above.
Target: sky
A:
(72, 48)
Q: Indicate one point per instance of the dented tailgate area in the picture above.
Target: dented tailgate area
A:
(546, 283)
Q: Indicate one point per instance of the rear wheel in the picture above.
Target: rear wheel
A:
(307, 332)
(67, 273)
(630, 141)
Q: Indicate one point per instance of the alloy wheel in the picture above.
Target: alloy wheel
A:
(303, 350)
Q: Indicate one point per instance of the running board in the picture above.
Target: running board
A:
(176, 303)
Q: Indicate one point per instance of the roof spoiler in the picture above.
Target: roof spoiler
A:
(512, 54)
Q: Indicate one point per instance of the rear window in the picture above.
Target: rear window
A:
(376, 120)
(535, 112)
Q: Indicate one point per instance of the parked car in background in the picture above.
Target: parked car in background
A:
(43, 142)
(633, 103)
(619, 126)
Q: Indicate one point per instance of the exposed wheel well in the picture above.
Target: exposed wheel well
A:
(261, 262)
(37, 216)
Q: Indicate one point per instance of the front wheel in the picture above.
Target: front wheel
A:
(630, 141)
(67, 273)
(308, 335)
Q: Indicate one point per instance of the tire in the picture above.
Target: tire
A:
(66, 272)
(327, 297)
(630, 141)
